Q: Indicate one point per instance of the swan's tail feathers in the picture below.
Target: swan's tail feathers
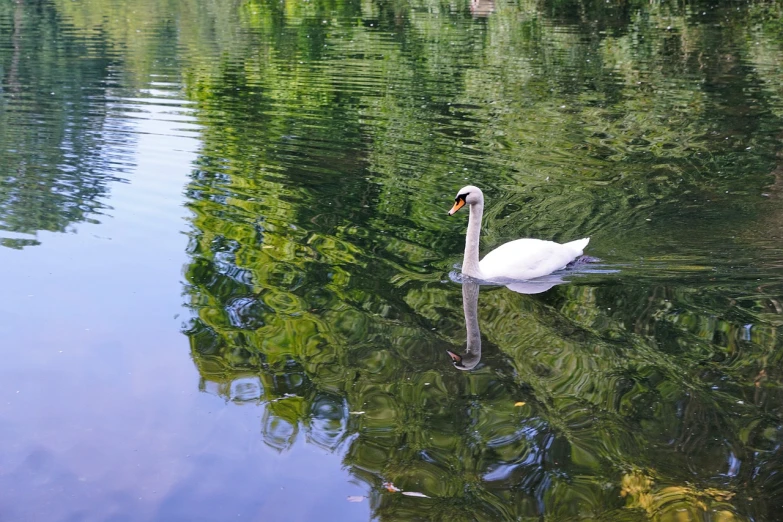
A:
(579, 244)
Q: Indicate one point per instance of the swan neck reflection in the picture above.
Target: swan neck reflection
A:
(472, 355)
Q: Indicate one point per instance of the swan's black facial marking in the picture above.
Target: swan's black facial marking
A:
(459, 202)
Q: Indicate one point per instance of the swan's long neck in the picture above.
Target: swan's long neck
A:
(470, 263)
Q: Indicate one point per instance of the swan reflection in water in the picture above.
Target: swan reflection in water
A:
(472, 355)
(470, 292)
(584, 265)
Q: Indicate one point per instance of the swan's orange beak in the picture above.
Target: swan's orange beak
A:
(457, 205)
(457, 358)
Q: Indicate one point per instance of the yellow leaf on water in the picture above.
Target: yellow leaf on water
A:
(520, 403)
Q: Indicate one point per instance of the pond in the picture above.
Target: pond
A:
(231, 288)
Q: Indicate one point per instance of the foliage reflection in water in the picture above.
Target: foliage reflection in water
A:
(332, 135)
(58, 143)
(319, 256)
(320, 253)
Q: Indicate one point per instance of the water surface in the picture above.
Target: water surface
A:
(226, 260)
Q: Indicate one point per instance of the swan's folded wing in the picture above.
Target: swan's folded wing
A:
(527, 258)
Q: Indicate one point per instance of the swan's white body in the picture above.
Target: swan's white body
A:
(526, 259)
(519, 260)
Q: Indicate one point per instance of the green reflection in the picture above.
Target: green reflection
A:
(56, 157)
(334, 138)
(333, 135)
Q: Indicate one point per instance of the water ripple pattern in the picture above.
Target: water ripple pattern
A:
(305, 153)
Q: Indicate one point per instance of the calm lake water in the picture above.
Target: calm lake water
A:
(228, 277)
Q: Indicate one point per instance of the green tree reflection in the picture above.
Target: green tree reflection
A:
(331, 139)
(334, 134)
(55, 163)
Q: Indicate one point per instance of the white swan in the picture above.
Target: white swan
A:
(519, 260)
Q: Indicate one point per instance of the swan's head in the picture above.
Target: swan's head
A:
(467, 195)
(464, 362)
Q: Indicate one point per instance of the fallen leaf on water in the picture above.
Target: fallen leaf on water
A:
(414, 494)
(520, 403)
(720, 495)
(356, 412)
(356, 498)
(391, 488)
